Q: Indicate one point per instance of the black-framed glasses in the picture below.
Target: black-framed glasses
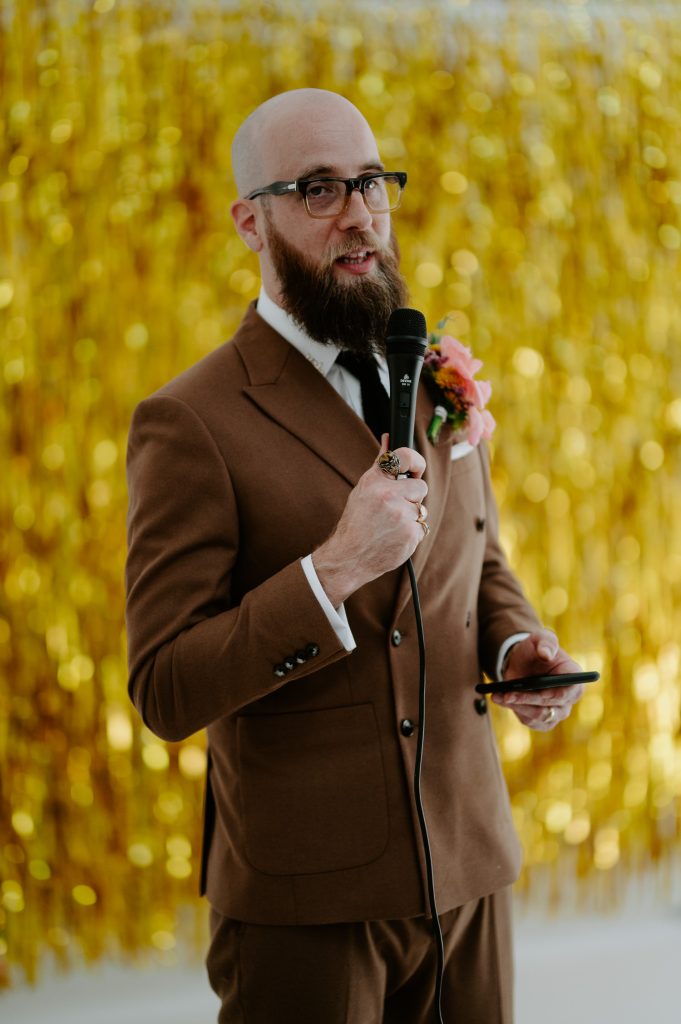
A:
(329, 197)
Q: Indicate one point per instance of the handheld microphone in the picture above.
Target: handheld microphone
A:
(405, 343)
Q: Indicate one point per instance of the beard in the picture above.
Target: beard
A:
(352, 314)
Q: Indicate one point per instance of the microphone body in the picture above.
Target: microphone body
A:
(406, 343)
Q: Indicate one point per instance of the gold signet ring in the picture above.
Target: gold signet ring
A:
(389, 463)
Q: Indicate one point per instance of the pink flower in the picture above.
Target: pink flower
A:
(484, 390)
(479, 425)
(471, 391)
(458, 356)
(489, 423)
(452, 369)
(475, 426)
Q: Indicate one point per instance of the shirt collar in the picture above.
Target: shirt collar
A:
(322, 356)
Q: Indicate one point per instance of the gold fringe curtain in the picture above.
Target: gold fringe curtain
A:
(543, 148)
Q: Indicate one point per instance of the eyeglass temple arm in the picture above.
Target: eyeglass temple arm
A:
(277, 188)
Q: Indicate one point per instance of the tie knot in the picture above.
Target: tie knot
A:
(358, 365)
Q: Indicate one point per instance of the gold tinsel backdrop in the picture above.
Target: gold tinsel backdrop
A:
(543, 146)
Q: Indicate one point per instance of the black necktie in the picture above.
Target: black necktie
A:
(375, 401)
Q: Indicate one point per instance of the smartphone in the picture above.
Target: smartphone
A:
(528, 683)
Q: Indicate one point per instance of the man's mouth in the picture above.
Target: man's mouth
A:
(357, 258)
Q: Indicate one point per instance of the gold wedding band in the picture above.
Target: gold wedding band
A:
(389, 463)
(421, 518)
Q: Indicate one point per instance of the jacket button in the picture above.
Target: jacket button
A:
(280, 671)
(289, 664)
(407, 727)
(301, 657)
(479, 524)
(480, 705)
(396, 638)
(312, 650)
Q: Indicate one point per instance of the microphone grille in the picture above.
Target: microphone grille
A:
(407, 323)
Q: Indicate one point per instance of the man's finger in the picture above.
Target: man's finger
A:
(410, 461)
(547, 645)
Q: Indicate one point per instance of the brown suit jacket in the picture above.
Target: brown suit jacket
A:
(238, 468)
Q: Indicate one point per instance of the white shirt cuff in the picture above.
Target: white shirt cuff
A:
(338, 620)
(506, 647)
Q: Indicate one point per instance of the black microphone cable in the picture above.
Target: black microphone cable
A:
(405, 347)
(421, 733)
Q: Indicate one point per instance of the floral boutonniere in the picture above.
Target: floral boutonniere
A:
(449, 369)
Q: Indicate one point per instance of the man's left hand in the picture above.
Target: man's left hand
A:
(539, 655)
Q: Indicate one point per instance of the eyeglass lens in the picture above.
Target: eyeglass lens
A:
(326, 198)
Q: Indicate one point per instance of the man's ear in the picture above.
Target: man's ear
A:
(244, 217)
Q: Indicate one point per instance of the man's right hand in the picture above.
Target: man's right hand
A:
(378, 530)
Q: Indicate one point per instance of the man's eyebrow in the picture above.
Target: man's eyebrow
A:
(324, 171)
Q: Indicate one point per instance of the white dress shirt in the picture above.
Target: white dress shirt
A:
(323, 358)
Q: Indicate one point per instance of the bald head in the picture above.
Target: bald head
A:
(276, 141)
(303, 134)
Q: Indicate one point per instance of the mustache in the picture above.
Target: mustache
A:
(358, 240)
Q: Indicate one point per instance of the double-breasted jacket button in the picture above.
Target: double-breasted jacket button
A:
(396, 638)
(480, 705)
(407, 727)
(312, 650)
(479, 524)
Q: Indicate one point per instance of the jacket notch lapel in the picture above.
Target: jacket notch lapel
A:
(290, 390)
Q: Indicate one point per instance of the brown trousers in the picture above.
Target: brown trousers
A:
(369, 972)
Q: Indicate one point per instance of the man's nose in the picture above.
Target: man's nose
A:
(355, 214)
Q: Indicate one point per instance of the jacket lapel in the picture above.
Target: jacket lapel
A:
(291, 391)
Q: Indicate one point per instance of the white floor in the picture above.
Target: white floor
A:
(623, 969)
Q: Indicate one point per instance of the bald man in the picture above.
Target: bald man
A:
(267, 602)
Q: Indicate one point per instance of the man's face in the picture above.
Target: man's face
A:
(337, 276)
(351, 311)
